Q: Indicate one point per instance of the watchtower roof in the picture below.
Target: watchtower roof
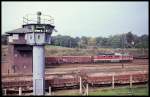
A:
(19, 31)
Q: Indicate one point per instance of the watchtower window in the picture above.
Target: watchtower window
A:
(38, 36)
(46, 38)
(29, 27)
(30, 36)
(15, 36)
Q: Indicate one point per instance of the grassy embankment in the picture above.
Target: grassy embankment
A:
(137, 90)
(64, 51)
(120, 91)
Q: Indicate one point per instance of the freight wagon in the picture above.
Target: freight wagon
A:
(68, 59)
(76, 59)
(89, 59)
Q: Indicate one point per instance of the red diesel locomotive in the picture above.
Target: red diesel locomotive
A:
(116, 57)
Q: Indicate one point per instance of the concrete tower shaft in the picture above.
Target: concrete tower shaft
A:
(38, 70)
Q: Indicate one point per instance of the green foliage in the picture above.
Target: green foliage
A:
(127, 40)
(65, 41)
(122, 91)
(143, 42)
(136, 90)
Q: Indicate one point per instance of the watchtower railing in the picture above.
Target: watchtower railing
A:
(30, 19)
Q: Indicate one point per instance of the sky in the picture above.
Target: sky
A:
(91, 19)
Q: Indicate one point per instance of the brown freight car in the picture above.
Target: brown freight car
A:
(53, 60)
(76, 59)
(68, 59)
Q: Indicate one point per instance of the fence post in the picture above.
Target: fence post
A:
(20, 91)
(130, 81)
(113, 80)
(50, 93)
(87, 89)
(80, 85)
(5, 91)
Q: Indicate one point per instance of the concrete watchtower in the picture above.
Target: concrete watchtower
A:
(40, 35)
(35, 33)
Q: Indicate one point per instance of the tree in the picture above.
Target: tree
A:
(131, 38)
(91, 41)
(84, 42)
(105, 42)
(115, 41)
(143, 42)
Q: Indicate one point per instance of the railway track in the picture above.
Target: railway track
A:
(50, 77)
(73, 83)
(73, 68)
(67, 77)
(73, 71)
(135, 62)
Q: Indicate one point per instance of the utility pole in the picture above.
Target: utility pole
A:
(122, 49)
(59, 43)
(70, 43)
(79, 45)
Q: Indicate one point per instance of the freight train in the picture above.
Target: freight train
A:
(115, 57)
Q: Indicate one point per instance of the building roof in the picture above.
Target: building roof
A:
(19, 30)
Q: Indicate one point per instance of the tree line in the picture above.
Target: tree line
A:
(126, 40)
